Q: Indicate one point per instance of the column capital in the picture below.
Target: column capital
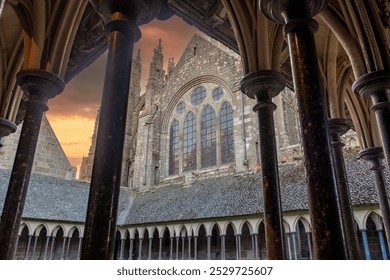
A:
(141, 11)
(282, 11)
(6, 128)
(263, 84)
(120, 23)
(40, 85)
(338, 127)
(372, 153)
(373, 84)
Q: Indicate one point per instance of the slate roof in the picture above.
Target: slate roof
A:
(234, 195)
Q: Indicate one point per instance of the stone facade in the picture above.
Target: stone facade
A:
(50, 159)
(207, 63)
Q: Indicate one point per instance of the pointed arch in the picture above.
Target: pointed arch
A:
(189, 142)
(208, 143)
(226, 124)
(174, 148)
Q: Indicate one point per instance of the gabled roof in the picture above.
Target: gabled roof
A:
(234, 195)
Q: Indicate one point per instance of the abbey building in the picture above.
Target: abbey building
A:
(191, 173)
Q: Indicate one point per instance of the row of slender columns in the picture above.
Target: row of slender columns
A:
(49, 253)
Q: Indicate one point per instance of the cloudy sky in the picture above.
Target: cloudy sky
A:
(72, 114)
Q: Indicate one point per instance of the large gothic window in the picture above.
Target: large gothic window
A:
(189, 142)
(227, 133)
(208, 138)
(174, 148)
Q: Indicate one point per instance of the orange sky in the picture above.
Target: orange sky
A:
(72, 114)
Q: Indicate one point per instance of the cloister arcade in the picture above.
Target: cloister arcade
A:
(213, 240)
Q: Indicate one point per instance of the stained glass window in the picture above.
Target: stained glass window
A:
(174, 148)
(181, 108)
(198, 95)
(189, 142)
(227, 133)
(217, 93)
(208, 138)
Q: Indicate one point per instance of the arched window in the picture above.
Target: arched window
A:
(227, 134)
(174, 148)
(208, 138)
(189, 142)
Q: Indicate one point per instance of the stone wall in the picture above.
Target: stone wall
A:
(50, 159)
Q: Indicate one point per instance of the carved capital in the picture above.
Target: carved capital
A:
(282, 11)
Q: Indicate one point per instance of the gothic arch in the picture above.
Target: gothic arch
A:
(248, 224)
(27, 225)
(304, 221)
(375, 217)
(188, 86)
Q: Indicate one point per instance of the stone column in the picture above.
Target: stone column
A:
(209, 247)
(223, 247)
(79, 247)
(52, 247)
(299, 27)
(339, 127)
(189, 247)
(182, 247)
(160, 248)
(238, 247)
(35, 246)
(256, 245)
(293, 236)
(131, 248)
(67, 248)
(177, 247)
(383, 245)
(140, 249)
(195, 247)
(375, 156)
(365, 244)
(63, 248)
(263, 86)
(46, 246)
(40, 86)
(122, 252)
(375, 85)
(288, 235)
(28, 247)
(100, 226)
(6, 128)
(150, 248)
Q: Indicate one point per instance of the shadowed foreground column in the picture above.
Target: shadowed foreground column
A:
(299, 27)
(375, 156)
(40, 86)
(339, 127)
(263, 86)
(99, 234)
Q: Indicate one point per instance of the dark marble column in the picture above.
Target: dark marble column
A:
(223, 247)
(263, 86)
(28, 247)
(299, 27)
(131, 249)
(40, 86)
(376, 85)
(339, 127)
(209, 247)
(375, 156)
(100, 226)
(140, 249)
(6, 128)
(195, 247)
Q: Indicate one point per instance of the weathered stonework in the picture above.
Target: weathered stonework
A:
(50, 159)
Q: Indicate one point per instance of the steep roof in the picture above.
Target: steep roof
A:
(235, 195)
